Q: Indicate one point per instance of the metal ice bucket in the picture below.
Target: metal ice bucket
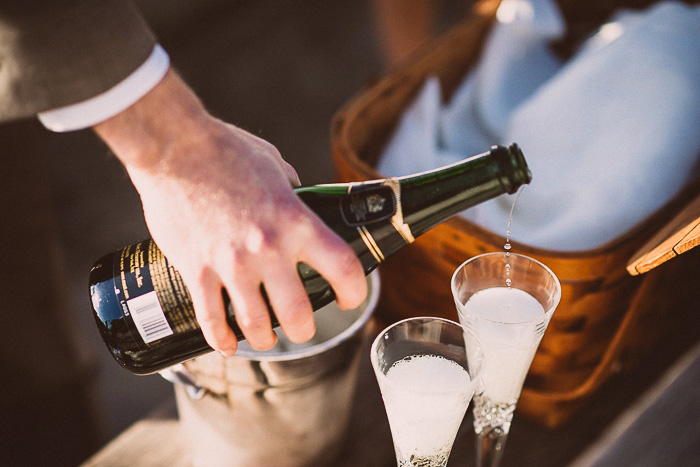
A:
(288, 406)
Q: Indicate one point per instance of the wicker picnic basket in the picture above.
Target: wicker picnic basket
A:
(607, 319)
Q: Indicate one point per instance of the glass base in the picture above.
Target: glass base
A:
(424, 461)
(488, 414)
(437, 459)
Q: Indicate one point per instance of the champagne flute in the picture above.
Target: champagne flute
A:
(427, 369)
(506, 300)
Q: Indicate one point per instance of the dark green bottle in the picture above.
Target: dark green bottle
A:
(143, 309)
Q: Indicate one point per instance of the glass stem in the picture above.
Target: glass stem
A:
(490, 444)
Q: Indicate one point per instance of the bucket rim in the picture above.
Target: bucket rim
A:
(305, 352)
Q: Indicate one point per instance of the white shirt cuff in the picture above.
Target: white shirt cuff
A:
(108, 104)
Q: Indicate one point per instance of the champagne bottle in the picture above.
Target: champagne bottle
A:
(143, 309)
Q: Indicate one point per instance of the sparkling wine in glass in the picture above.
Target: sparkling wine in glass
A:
(427, 369)
(506, 300)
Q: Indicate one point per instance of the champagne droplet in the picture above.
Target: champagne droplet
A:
(507, 247)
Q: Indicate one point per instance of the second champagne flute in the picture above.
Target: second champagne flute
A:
(506, 300)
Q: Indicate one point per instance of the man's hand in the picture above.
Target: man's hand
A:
(218, 202)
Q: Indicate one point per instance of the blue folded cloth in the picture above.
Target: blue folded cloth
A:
(610, 136)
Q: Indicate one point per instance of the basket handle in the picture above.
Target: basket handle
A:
(679, 235)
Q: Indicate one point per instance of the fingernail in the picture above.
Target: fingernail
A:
(305, 334)
(265, 344)
(273, 341)
(227, 353)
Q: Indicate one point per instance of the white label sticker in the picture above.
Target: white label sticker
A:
(149, 317)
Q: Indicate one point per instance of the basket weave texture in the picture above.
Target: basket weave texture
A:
(606, 318)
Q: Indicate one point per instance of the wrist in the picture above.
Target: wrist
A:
(144, 136)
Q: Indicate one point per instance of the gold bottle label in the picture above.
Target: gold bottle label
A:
(397, 219)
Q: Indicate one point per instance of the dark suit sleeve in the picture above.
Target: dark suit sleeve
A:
(59, 52)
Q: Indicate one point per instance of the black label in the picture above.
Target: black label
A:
(368, 205)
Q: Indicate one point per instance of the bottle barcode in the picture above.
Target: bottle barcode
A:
(148, 317)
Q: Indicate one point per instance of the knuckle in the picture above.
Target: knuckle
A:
(259, 239)
(268, 147)
(298, 307)
(238, 261)
(253, 321)
(200, 276)
(269, 238)
(208, 320)
(292, 211)
(347, 263)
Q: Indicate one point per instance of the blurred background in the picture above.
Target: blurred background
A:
(277, 68)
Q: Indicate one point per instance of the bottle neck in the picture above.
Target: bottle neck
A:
(379, 217)
(430, 198)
